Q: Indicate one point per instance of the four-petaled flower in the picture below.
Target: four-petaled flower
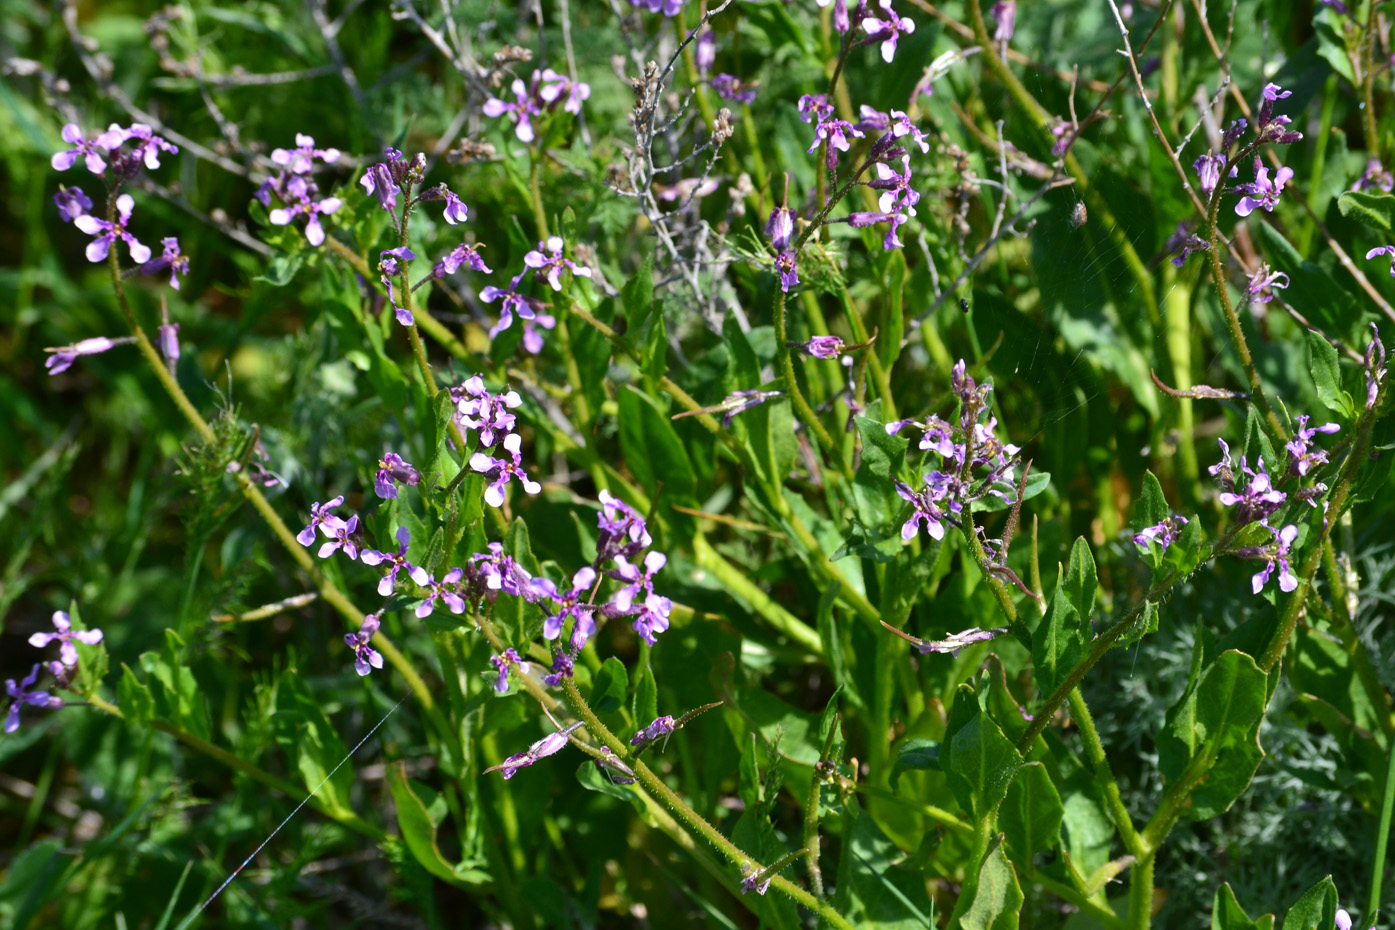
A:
(1300, 459)
(553, 86)
(21, 694)
(342, 535)
(511, 301)
(398, 561)
(622, 530)
(502, 469)
(321, 518)
(90, 149)
(571, 604)
(488, 414)
(837, 133)
(1262, 192)
(635, 580)
(299, 195)
(366, 658)
(65, 635)
(926, 504)
(789, 274)
(1288, 581)
(300, 159)
(888, 30)
(521, 112)
(653, 617)
(502, 662)
(108, 232)
(447, 589)
(730, 87)
(1161, 533)
(550, 265)
(392, 469)
(463, 254)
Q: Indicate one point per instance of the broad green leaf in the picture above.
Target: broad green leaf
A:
(1316, 910)
(420, 812)
(591, 777)
(654, 354)
(282, 269)
(831, 634)
(915, 755)
(997, 897)
(646, 697)
(1327, 375)
(772, 436)
(652, 449)
(136, 701)
(608, 689)
(1151, 507)
(1216, 726)
(92, 660)
(979, 762)
(1057, 642)
(883, 458)
(1081, 582)
(883, 455)
(875, 888)
(179, 700)
(1227, 914)
(305, 733)
(637, 295)
(1374, 211)
(745, 366)
(1030, 816)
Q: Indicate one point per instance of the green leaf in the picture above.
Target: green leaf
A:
(179, 700)
(1037, 482)
(1058, 641)
(1325, 301)
(1151, 507)
(652, 448)
(1031, 815)
(646, 697)
(772, 436)
(916, 755)
(1327, 376)
(304, 732)
(1216, 726)
(92, 660)
(654, 356)
(137, 703)
(745, 366)
(997, 897)
(1316, 910)
(1081, 582)
(282, 269)
(1227, 914)
(637, 295)
(874, 889)
(883, 457)
(609, 687)
(1374, 211)
(979, 762)
(419, 813)
(591, 777)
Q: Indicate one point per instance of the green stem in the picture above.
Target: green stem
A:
(937, 814)
(1104, 776)
(1382, 840)
(1101, 914)
(1141, 894)
(801, 406)
(739, 585)
(1351, 641)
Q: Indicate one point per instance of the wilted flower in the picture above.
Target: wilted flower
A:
(957, 641)
(71, 202)
(789, 273)
(1375, 176)
(392, 470)
(65, 635)
(1262, 282)
(391, 263)
(548, 745)
(730, 87)
(661, 727)
(825, 347)
(1208, 169)
(63, 356)
(1375, 367)
(366, 657)
(1005, 16)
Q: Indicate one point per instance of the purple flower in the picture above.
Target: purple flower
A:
(780, 227)
(661, 727)
(67, 652)
(107, 233)
(888, 30)
(397, 560)
(341, 536)
(618, 772)
(63, 356)
(447, 590)
(456, 211)
(1384, 250)
(739, 402)
(21, 694)
(1375, 367)
(1288, 581)
(550, 265)
(72, 203)
(1262, 192)
(897, 194)
(169, 342)
(1162, 533)
(1183, 238)
(391, 263)
(148, 145)
(1004, 14)
(1342, 918)
(561, 668)
(1259, 499)
(1375, 176)
(957, 641)
(301, 203)
(1269, 126)
(510, 302)
(815, 108)
(532, 337)
(622, 530)
(301, 159)
(462, 254)
(653, 617)
(501, 662)
(501, 573)
(170, 260)
(501, 469)
(1300, 459)
(571, 604)
(666, 7)
(836, 132)
(749, 881)
(730, 87)
(635, 580)
(392, 470)
(379, 181)
(553, 87)
(863, 219)
(926, 506)
(789, 274)
(705, 52)
(685, 189)
(1262, 283)
(366, 658)
(321, 518)
(81, 145)
(486, 413)
(1208, 170)
(521, 111)
(548, 745)
(825, 347)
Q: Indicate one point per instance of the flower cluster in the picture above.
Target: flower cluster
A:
(62, 670)
(974, 461)
(544, 92)
(296, 190)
